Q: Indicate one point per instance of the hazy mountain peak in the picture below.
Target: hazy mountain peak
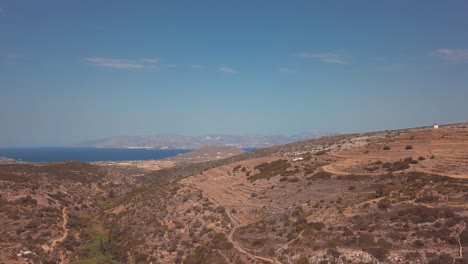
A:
(174, 141)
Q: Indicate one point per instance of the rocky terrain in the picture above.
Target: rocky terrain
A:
(384, 197)
(6, 160)
(206, 153)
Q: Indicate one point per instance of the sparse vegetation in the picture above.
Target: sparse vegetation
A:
(321, 175)
(271, 169)
(114, 215)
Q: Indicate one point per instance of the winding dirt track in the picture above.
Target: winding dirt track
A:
(236, 245)
(239, 247)
(329, 168)
(65, 230)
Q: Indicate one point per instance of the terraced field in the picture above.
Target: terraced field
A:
(383, 197)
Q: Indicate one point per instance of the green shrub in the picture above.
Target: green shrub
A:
(387, 165)
(399, 165)
(271, 169)
(386, 148)
(309, 169)
(427, 199)
(303, 260)
(317, 225)
(373, 168)
(322, 152)
(422, 214)
(321, 175)
(220, 241)
(378, 253)
(295, 179)
(408, 147)
(333, 252)
(384, 204)
(366, 240)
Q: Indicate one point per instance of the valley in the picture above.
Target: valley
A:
(382, 197)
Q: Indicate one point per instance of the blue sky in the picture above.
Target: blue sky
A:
(79, 70)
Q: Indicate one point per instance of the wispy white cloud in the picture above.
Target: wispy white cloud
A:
(173, 65)
(453, 54)
(182, 65)
(288, 71)
(226, 69)
(150, 61)
(115, 63)
(122, 63)
(331, 58)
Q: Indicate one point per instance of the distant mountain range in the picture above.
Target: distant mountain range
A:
(173, 141)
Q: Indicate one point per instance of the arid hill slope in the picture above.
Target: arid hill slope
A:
(383, 197)
(364, 198)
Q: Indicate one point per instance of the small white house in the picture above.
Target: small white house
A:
(436, 126)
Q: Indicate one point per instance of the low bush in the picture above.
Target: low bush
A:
(220, 241)
(321, 175)
(317, 225)
(398, 165)
(372, 168)
(309, 169)
(322, 152)
(295, 179)
(378, 253)
(366, 240)
(271, 169)
(387, 165)
(384, 204)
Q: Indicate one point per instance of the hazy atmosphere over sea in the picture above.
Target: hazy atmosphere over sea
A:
(72, 71)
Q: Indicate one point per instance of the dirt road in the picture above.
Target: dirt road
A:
(65, 230)
(236, 245)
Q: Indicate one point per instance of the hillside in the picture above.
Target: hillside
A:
(172, 141)
(6, 160)
(383, 197)
(206, 153)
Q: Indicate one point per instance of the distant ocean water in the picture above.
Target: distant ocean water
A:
(87, 154)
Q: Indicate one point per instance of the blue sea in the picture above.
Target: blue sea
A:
(87, 154)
